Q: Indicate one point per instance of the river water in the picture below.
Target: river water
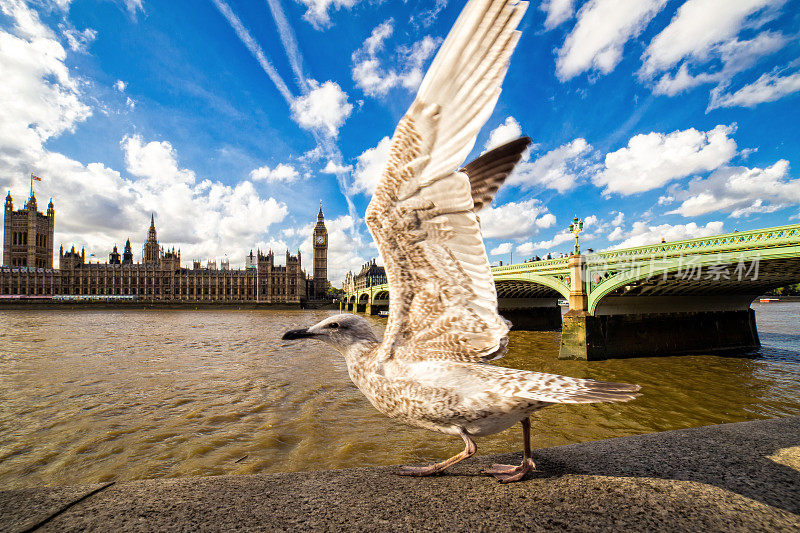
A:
(90, 396)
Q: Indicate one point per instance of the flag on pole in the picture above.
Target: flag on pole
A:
(35, 178)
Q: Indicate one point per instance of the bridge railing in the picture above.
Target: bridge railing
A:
(730, 242)
(533, 266)
(741, 242)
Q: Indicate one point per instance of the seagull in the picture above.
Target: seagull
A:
(431, 368)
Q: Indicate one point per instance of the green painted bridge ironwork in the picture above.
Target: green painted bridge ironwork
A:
(746, 263)
(689, 296)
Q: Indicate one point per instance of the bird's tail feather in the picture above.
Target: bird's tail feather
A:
(571, 390)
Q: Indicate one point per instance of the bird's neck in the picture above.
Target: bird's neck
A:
(360, 359)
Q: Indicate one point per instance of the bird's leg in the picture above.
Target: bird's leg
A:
(510, 473)
(469, 451)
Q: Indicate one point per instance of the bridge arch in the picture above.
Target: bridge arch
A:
(715, 281)
(530, 286)
(381, 295)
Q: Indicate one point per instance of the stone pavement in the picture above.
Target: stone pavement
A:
(731, 477)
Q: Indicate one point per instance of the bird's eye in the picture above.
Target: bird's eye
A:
(333, 325)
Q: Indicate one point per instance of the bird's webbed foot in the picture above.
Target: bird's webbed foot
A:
(511, 473)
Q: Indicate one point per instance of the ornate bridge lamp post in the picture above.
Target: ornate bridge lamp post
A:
(575, 228)
(577, 273)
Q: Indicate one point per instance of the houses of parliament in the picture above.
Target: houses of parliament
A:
(28, 273)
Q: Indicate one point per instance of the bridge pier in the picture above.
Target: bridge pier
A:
(531, 314)
(594, 338)
(533, 319)
(378, 307)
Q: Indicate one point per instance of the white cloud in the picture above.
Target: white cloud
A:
(735, 56)
(546, 220)
(548, 246)
(616, 234)
(618, 219)
(642, 234)
(130, 102)
(740, 191)
(120, 86)
(505, 132)
(41, 100)
(281, 173)
(652, 160)
(428, 17)
(369, 167)
(514, 219)
(133, 6)
(206, 218)
(97, 206)
(376, 80)
(79, 41)
(324, 108)
(603, 28)
(557, 169)
(317, 10)
(503, 248)
(336, 168)
(156, 161)
(696, 28)
(767, 88)
(374, 43)
(558, 11)
(702, 41)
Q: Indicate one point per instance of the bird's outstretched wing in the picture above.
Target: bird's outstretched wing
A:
(443, 303)
(488, 172)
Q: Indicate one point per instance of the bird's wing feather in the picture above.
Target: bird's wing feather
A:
(488, 172)
(473, 379)
(443, 301)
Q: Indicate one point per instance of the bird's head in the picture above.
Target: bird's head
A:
(340, 331)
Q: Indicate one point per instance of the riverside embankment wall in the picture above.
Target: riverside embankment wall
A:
(731, 477)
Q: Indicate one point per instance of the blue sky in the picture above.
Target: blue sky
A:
(232, 119)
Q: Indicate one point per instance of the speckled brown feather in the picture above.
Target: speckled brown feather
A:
(488, 172)
(430, 368)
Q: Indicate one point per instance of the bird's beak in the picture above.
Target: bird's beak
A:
(293, 334)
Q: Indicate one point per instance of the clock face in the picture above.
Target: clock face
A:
(320, 239)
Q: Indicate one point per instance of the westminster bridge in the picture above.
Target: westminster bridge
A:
(676, 297)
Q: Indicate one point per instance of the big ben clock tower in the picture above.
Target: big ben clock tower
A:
(320, 256)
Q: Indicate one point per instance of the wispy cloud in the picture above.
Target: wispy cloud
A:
(289, 41)
(254, 49)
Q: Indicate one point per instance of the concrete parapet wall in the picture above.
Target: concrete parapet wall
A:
(731, 477)
(595, 338)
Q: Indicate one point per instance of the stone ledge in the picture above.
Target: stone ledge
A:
(729, 477)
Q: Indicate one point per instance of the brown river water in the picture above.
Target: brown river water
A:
(90, 396)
